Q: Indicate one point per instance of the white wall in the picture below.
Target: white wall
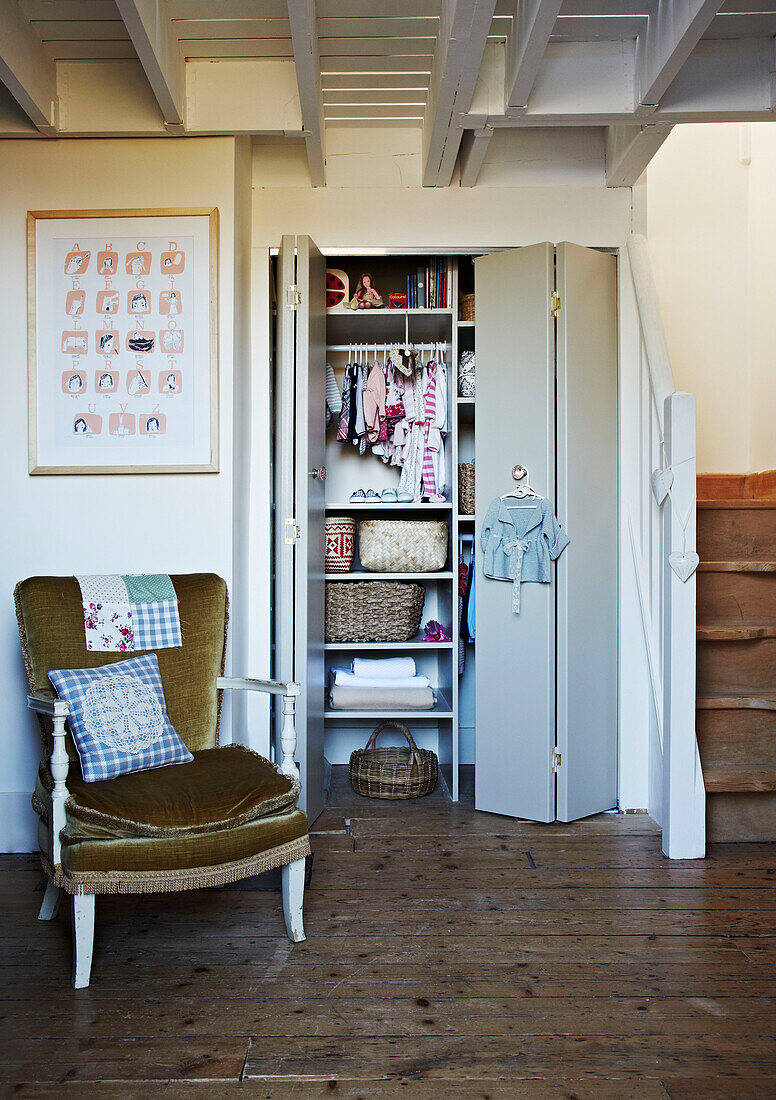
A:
(374, 200)
(762, 296)
(711, 227)
(98, 524)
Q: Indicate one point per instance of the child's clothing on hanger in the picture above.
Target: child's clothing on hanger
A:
(519, 539)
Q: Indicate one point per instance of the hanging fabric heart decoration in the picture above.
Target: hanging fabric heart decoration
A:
(683, 564)
(662, 480)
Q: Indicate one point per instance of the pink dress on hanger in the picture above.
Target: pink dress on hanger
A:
(431, 435)
(374, 403)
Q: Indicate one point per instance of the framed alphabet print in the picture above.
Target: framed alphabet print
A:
(123, 341)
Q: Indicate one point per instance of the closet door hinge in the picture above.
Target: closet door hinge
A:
(556, 760)
(554, 304)
(293, 532)
(293, 296)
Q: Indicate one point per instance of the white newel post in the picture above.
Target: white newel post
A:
(684, 796)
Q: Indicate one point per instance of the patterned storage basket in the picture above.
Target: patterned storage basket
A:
(466, 488)
(466, 374)
(373, 611)
(340, 543)
(394, 772)
(467, 307)
(402, 545)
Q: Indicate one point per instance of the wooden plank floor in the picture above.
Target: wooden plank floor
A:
(449, 954)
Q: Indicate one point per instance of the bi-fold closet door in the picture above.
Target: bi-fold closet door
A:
(546, 678)
(300, 446)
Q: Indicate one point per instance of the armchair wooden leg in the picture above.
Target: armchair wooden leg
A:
(83, 939)
(293, 897)
(50, 904)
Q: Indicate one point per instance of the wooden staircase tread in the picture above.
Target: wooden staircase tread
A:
(740, 632)
(731, 700)
(743, 777)
(737, 567)
(758, 503)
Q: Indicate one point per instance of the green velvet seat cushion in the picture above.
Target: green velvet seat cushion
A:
(82, 854)
(217, 790)
(51, 624)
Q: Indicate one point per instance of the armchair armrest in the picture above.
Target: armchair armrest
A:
(42, 703)
(289, 690)
(57, 709)
(269, 687)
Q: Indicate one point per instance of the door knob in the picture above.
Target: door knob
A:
(318, 473)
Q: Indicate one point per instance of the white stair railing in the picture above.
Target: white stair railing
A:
(667, 596)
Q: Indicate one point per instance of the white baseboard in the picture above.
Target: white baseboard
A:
(18, 823)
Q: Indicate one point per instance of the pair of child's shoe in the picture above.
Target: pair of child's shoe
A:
(388, 496)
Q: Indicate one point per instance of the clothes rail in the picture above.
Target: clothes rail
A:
(418, 345)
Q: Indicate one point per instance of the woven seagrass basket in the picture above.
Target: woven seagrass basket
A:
(393, 772)
(467, 307)
(466, 488)
(402, 545)
(373, 611)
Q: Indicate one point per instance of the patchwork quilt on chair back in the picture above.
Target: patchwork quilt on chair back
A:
(51, 625)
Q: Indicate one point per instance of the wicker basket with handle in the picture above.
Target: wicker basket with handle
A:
(467, 307)
(373, 611)
(402, 545)
(466, 488)
(393, 772)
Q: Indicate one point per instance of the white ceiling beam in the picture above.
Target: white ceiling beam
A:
(724, 81)
(156, 45)
(463, 35)
(674, 29)
(583, 78)
(304, 38)
(531, 30)
(591, 84)
(629, 149)
(474, 146)
(28, 74)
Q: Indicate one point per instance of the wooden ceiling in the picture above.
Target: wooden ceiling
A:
(458, 69)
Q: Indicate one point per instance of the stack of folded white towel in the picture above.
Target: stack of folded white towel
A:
(388, 684)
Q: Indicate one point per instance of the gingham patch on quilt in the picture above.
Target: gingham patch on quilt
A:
(118, 718)
(125, 613)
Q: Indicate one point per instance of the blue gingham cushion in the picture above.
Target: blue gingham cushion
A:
(118, 718)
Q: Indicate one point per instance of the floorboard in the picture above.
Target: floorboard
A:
(449, 954)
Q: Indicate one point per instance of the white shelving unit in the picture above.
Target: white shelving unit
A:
(347, 471)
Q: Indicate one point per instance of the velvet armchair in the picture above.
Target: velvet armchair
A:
(227, 814)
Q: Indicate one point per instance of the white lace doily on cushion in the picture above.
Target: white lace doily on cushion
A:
(123, 713)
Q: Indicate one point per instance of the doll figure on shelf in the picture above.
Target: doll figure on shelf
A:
(366, 297)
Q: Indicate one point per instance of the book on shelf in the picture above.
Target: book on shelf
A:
(422, 284)
(428, 287)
